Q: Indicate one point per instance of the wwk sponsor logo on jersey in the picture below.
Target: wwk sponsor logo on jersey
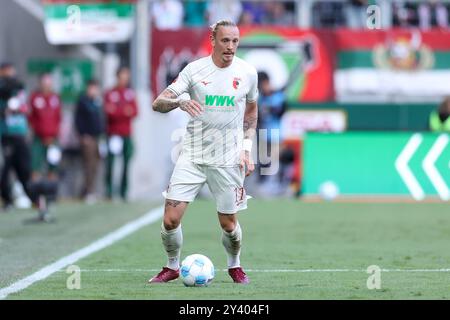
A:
(219, 101)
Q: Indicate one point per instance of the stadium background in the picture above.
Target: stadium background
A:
(320, 63)
(359, 100)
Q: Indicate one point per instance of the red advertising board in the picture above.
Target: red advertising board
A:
(401, 65)
(301, 62)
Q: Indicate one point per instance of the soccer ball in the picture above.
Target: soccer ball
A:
(328, 190)
(197, 271)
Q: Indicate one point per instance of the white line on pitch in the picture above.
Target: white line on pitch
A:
(109, 239)
(277, 270)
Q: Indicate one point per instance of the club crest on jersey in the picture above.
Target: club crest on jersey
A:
(236, 82)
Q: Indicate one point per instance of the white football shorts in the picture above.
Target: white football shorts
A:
(225, 183)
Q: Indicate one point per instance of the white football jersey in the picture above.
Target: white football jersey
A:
(215, 137)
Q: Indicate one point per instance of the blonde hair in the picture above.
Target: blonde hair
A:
(221, 23)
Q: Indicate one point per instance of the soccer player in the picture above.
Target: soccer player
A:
(217, 145)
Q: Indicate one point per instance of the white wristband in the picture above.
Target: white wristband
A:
(247, 145)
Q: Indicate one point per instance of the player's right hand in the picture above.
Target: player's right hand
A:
(192, 107)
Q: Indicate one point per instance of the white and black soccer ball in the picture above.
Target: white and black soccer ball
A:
(197, 271)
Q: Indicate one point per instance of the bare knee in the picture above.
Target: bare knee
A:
(173, 213)
(170, 223)
(228, 222)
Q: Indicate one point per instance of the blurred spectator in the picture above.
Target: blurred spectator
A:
(89, 123)
(167, 14)
(328, 14)
(405, 14)
(433, 13)
(278, 15)
(272, 105)
(195, 13)
(440, 119)
(14, 130)
(253, 13)
(120, 109)
(246, 19)
(224, 9)
(45, 119)
(356, 13)
(289, 176)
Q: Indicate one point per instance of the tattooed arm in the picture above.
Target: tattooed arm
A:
(168, 101)
(250, 122)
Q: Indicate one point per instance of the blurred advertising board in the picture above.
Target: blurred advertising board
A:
(171, 51)
(316, 66)
(378, 164)
(88, 21)
(399, 65)
(300, 62)
(295, 123)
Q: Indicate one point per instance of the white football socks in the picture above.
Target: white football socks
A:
(232, 243)
(172, 241)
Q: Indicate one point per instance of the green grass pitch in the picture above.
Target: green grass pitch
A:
(291, 249)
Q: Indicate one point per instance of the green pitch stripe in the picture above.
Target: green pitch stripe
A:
(101, 10)
(308, 254)
(364, 59)
(102, 243)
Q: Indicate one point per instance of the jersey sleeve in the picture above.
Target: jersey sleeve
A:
(252, 94)
(182, 83)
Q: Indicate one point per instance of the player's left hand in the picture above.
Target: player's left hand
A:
(245, 163)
